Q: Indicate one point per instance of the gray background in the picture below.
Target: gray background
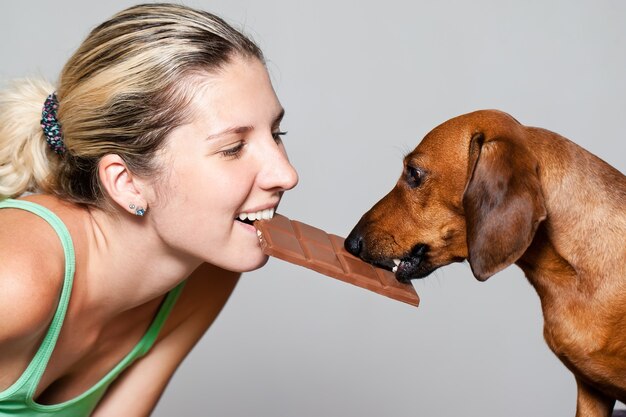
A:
(362, 82)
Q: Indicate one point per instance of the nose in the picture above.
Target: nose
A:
(277, 172)
(354, 242)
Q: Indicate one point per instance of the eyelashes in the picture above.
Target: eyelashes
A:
(236, 151)
(278, 136)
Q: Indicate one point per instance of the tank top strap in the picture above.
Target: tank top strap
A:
(33, 373)
(153, 331)
(148, 339)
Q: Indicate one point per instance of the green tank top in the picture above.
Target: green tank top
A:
(17, 400)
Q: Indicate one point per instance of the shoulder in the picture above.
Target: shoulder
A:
(203, 297)
(31, 274)
(205, 293)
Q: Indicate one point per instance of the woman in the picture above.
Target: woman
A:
(127, 209)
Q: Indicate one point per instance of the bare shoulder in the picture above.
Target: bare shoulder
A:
(205, 293)
(203, 297)
(210, 287)
(31, 274)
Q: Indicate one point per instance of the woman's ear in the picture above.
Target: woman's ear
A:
(121, 185)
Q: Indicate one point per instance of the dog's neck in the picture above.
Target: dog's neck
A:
(585, 199)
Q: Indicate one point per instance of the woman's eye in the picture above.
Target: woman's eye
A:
(233, 152)
(414, 176)
(277, 136)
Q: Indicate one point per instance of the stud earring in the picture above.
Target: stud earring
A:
(139, 211)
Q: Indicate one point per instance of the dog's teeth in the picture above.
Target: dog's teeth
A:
(396, 261)
(394, 269)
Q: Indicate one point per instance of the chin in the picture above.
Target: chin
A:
(249, 264)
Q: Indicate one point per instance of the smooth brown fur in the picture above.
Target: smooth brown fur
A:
(485, 188)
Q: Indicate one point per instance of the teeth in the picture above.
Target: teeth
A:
(262, 214)
(395, 268)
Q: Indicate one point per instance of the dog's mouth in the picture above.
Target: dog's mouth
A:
(408, 267)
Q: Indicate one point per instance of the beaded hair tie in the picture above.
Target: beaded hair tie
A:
(51, 126)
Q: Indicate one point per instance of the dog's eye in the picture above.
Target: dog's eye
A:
(414, 176)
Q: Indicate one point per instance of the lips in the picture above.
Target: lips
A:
(408, 267)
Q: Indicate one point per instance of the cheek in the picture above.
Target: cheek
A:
(198, 202)
(193, 198)
(214, 185)
(449, 241)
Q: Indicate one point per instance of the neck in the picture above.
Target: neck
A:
(583, 238)
(128, 264)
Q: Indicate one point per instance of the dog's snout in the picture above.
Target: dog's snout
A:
(354, 242)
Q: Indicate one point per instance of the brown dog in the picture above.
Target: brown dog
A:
(485, 188)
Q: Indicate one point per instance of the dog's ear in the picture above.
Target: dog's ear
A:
(503, 203)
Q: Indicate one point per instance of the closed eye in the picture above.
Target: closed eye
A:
(278, 136)
(234, 152)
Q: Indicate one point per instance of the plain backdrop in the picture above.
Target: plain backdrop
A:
(362, 83)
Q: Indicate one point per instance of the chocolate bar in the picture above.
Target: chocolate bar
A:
(307, 246)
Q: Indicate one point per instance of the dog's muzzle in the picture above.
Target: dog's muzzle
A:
(406, 267)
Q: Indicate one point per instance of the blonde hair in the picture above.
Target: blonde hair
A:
(125, 88)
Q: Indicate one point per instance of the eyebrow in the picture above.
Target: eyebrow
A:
(244, 129)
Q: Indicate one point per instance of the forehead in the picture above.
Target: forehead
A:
(446, 145)
(239, 93)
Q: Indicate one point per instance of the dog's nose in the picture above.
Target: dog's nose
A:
(354, 242)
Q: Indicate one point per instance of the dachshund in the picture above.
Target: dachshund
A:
(484, 188)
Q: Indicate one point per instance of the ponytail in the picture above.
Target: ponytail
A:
(25, 158)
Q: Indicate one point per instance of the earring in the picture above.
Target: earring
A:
(139, 211)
